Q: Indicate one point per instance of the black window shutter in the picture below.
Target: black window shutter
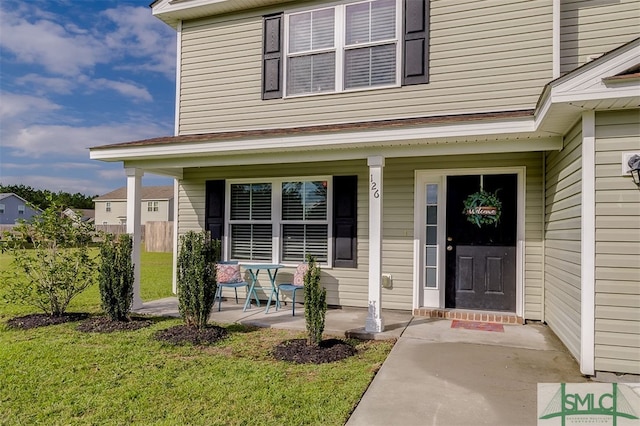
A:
(272, 56)
(214, 208)
(345, 221)
(415, 50)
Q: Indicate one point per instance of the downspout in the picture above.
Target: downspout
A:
(556, 39)
(588, 249)
(544, 235)
(176, 198)
(176, 183)
(176, 130)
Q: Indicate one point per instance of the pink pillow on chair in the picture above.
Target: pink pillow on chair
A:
(228, 273)
(298, 276)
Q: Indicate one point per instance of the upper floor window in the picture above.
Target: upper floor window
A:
(345, 47)
(107, 206)
(152, 206)
(1, 208)
(21, 209)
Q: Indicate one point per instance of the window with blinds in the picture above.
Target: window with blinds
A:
(345, 47)
(250, 221)
(289, 214)
(305, 223)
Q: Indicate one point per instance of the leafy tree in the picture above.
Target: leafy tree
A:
(197, 277)
(42, 198)
(57, 268)
(315, 302)
(115, 276)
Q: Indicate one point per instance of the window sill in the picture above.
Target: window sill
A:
(342, 92)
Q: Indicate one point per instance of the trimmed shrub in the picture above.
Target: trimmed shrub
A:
(115, 276)
(197, 277)
(51, 259)
(315, 302)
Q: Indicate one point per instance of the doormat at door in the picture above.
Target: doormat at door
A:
(475, 325)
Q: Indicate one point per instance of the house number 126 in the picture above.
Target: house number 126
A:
(374, 188)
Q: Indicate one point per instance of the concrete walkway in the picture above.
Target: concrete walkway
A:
(435, 374)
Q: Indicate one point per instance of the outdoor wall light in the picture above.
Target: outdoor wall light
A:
(634, 168)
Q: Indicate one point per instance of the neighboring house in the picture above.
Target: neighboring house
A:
(357, 131)
(156, 205)
(13, 208)
(83, 215)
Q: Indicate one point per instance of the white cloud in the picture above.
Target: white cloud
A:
(39, 140)
(44, 85)
(14, 105)
(130, 90)
(49, 44)
(142, 35)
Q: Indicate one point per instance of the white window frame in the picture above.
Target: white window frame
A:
(340, 48)
(2, 208)
(107, 206)
(152, 206)
(276, 215)
(22, 209)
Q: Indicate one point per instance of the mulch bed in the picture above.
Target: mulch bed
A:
(182, 334)
(104, 324)
(41, 320)
(299, 351)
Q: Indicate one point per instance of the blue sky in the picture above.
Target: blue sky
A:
(76, 74)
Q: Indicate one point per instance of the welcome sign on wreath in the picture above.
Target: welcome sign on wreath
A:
(483, 208)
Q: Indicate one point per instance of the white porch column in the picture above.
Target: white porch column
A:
(374, 322)
(134, 183)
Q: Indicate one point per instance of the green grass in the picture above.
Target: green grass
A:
(58, 375)
(155, 283)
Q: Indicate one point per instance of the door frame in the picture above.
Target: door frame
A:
(434, 298)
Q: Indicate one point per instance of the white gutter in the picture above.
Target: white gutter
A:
(176, 130)
(556, 39)
(588, 243)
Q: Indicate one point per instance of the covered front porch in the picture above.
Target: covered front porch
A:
(342, 322)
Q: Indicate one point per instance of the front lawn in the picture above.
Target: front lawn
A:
(59, 375)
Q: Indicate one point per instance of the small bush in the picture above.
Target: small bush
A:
(51, 259)
(196, 277)
(315, 302)
(116, 276)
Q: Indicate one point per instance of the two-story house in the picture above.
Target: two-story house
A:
(14, 208)
(156, 204)
(469, 155)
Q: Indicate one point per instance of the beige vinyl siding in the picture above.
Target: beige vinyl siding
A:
(484, 56)
(563, 240)
(617, 245)
(594, 28)
(349, 287)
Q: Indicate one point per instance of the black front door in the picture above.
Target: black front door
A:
(481, 260)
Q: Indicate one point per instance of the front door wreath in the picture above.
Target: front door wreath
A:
(483, 208)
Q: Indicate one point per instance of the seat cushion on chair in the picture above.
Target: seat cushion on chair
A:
(228, 273)
(298, 276)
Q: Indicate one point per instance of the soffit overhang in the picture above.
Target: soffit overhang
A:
(173, 11)
(609, 82)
